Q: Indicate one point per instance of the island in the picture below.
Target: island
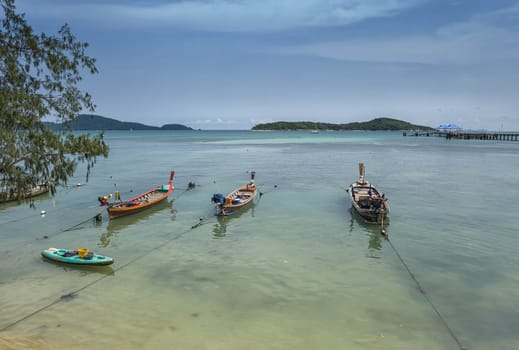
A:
(97, 122)
(383, 124)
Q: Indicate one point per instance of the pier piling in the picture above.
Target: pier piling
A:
(465, 135)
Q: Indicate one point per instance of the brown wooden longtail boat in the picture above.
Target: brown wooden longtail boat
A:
(141, 202)
(237, 199)
(37, 190)
(367, 200)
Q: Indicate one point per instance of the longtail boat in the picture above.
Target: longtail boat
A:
(141, 202)
(37, 190)
(237, 199)
(367, 200)
(81, 256)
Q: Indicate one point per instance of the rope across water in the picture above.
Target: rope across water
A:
(70, 295)
(424, 292)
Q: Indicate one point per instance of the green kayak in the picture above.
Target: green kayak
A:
(81, 256)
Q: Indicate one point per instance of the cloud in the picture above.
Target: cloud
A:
(221, 15)
(484, 38)
(217, 121)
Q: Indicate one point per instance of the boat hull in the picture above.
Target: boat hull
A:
(118, 211)
(72, 257)
(237, 199)
(35, 191)
(141, 202)
(368, 202)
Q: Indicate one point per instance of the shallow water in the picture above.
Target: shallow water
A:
(297, 270)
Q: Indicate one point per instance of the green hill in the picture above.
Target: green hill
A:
(96, 122)
(387, 124)
(174, 127)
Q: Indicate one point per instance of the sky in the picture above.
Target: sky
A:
(232, 64)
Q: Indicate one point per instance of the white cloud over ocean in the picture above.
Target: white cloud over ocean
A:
(478, 40)
(222, 15)
(231, 63)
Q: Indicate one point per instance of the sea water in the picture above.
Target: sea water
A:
(296, 270)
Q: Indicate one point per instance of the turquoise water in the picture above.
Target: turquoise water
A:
(297, 270)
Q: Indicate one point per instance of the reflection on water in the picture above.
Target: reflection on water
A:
(220, 227)
(371, 230)
(84, 270)
(117, 225)
(35, 199)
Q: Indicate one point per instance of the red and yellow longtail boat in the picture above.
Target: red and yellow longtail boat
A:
(143, 201)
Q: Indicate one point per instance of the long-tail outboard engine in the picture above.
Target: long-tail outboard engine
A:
(218, 198)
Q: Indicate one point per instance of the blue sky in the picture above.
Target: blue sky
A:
(231, 64)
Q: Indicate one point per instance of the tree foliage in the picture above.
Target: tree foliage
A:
(386, 124)
(39, 78)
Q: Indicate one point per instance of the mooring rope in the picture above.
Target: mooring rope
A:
(96, 218)
(93, 218)
(424, 292)
(189, 188)
(262, 193)
(67, 296)
(36, 312)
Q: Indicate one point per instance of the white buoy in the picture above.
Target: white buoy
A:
(43, 212)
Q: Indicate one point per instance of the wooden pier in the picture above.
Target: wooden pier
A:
(465, 135)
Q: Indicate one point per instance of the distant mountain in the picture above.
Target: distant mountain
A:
(96, 122)
(174, 127)
(387, 124)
